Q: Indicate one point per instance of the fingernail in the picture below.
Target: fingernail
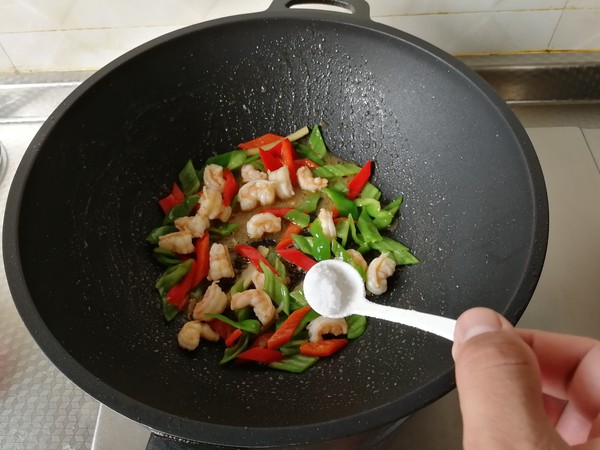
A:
(474, 322)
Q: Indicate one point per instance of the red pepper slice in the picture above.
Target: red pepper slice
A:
(177, 193)
(261, 340)
(286, 330)
(287, 156)
(234, 336)
(231, 187)
(223, 329)
(296, 257)
(260, 141)
(269, 160)
(286, 238)
(360, 179)
(305, 162)
(323, 348)
(254, 256)
(178, 294)
(261, 355)
(166, 203)
(277, 212)
(276, 150)
(202, 259)
(171, 200)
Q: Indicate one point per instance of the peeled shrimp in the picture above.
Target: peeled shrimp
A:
(177, 242)
(211, 203)
(380, 269)
(262, 223)
(357, 258)
(219, 263)
(256, 192)
(327, 224)
(214, 301)
(326, 325)
(195, 224)
(307, 182)
(225, 213)
(259, 300)
(282, 182)
(213, 177)
(250, 173)
(190, 334)
(258, 278)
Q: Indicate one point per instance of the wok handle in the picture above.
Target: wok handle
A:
(359, 8)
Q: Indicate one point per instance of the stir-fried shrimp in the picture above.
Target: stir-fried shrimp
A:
(225, 213)
(262, 223)
(326, 325)
(177, 242)
(326, 218)
(380, 269)
(190, 334)
(283, 184)
(307, 182)
(211, 203)
(259, 300)
(256, 192)
(357, 258)
(250, 173)
(220, 263)
(213, 177)
(258, 279)
(194, 224)
(214, 301)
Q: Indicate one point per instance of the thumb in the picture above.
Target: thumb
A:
(499, 387)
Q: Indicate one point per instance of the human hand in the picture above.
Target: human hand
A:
(525, 389)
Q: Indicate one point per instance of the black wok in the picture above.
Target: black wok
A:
(83, 200)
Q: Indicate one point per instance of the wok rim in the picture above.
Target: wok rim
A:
(184, 428)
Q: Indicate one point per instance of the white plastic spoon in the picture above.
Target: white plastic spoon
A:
(335, 289)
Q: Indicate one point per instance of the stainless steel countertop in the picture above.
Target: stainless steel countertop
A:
(40, 408)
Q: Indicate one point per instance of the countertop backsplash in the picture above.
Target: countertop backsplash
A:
(41, 35)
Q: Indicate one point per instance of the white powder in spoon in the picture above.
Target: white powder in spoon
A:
(330, 287)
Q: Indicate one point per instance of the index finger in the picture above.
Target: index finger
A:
(569, 367)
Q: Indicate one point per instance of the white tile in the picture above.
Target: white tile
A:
(592, 137)
(121, 14)
(583, 4)
(6, 65)
(566, 298)
(44, 15)
(403, 7)
(74, 49)
(32, 15)
(481, 32)
(578, 29)
(226, 8)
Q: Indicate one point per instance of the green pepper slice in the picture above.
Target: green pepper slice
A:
(321, 244)
(343, 204)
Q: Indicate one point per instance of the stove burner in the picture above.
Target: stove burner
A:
(116, 431)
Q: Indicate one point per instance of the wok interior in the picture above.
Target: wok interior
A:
(90, 200)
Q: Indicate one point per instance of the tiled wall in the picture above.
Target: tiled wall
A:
(86, 34)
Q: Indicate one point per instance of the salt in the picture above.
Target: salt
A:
(330, 287)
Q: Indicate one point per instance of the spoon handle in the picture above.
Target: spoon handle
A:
(442, 326)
